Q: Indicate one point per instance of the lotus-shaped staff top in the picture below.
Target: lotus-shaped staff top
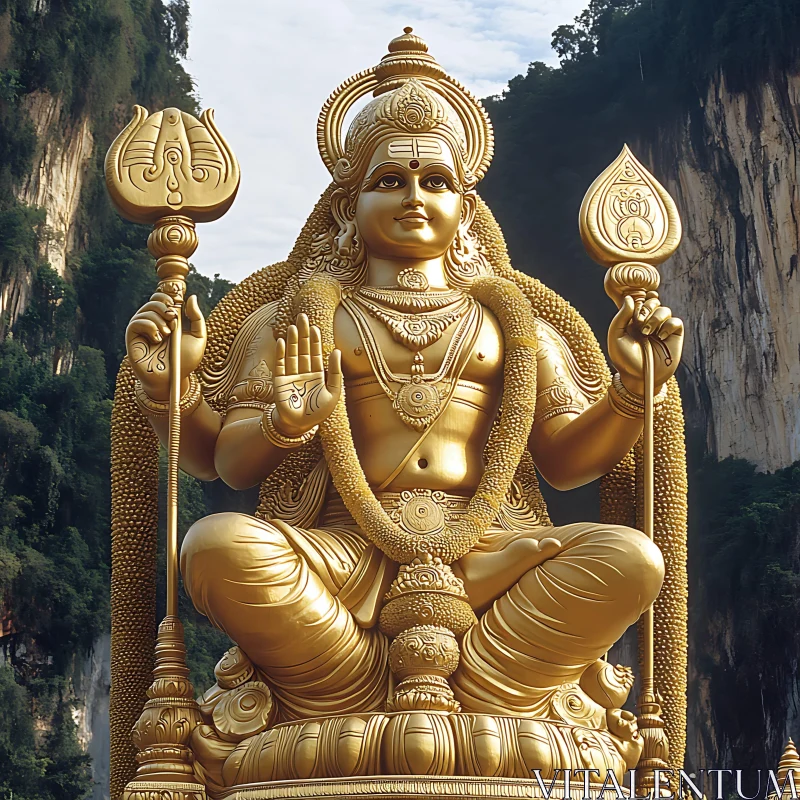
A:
(171, 163)
(627, 215)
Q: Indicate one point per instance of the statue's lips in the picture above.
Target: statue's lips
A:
(413, 217)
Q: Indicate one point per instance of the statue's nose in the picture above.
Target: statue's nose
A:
(413, 198)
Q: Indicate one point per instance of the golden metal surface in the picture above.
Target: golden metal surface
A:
(399, 788)
(627, 214)
(401, 601)
(170, 169)
(168, 163)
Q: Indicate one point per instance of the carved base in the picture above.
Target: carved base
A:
(655, 751)
(399, 788)
(147, 790)
(420, 745)
(161, 735)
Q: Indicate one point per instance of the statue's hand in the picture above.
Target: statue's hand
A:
(303, 396)
(147, 342)
(635, 321)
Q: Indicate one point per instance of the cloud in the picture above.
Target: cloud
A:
(267, 67)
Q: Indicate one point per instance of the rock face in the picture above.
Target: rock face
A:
(55, 185)
(92, 684)
(735, 279)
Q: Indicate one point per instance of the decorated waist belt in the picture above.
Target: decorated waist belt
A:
(417, 511)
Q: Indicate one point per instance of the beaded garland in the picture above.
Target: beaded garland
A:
(318, 298)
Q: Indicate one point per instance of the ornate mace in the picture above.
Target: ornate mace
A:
(629, 224)
(170, 170)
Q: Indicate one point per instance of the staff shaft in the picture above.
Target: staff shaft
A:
(173, 455)
(648, 498)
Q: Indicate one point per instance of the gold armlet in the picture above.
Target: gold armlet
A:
(626, 403)
(274, 436)
(156, 408)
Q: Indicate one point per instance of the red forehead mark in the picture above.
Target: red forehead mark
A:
(413, 163)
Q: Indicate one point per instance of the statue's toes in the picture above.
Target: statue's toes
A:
(606, 684)
(549, 547)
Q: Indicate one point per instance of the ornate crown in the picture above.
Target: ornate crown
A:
(423, 102)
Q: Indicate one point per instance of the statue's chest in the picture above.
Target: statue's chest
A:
(474, 351)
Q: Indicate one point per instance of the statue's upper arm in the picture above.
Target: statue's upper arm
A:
(559, 397)
(252, 390)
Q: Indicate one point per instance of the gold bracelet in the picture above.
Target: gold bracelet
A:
(627, 404)
(274, 436)
(156, 408)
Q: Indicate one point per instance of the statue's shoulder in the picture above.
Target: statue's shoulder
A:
(244, 374)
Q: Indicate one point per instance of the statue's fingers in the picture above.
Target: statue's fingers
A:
(162, 297)
(647, 308)
(197, 323)
(315, 337)
(155, 305)
(303, 344)
(623, 317)
(672, 326)
(334, 382)
(280, 358)
(654, 320)
(291, 350)
(156, 319)
(145, 328)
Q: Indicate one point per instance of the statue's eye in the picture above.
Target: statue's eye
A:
(389, 182)
(436, 182)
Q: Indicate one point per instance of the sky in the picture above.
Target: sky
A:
(267, 66)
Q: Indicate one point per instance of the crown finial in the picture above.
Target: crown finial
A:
(408, 43)
(408, 57)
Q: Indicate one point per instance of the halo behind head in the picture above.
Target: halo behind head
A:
(407, 67)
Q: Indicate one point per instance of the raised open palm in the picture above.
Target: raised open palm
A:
(302, 394)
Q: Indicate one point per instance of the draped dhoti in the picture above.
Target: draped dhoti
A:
(303, 604)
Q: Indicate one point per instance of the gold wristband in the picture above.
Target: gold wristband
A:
(157, 408)
(274, 436)
(627, 404)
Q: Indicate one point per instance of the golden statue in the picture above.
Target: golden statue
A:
(401, 603)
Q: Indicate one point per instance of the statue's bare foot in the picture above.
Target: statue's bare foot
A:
(529, 553)
(607, 684)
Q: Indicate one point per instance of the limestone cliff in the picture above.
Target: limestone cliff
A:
(54, 184)
(735, 278)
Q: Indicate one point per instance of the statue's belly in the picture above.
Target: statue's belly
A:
(449, 458)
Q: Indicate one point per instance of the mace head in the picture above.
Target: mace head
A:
(171, 163)
(627, 215)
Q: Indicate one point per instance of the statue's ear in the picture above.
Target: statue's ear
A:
(342, 208)
(469, 208)
(343, 211)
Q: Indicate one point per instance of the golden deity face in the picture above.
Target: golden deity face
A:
(411, 201)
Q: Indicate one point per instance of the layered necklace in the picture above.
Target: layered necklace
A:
(416, 320)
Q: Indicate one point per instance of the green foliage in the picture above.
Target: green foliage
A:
(49, 767)
(54, 500)
(23, 768)
(628, 69)
(209, 291)
(58, 363)
(91, 53)
(744, 566)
